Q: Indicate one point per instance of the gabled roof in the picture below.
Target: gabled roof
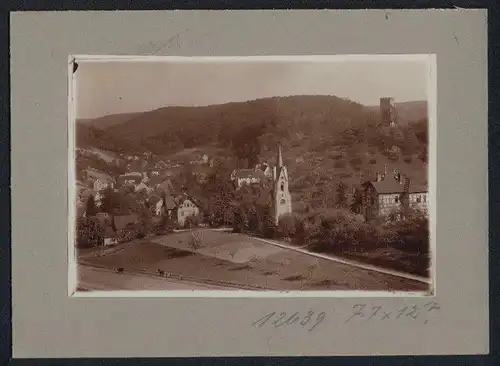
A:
(418, 188)
(166, 184)
(123, 178)
(154, 199)
(392, 186)
(142, 184)
(249, 174)
(388, 186)
(184, 197)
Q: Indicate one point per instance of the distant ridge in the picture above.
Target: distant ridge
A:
(108, 120)
(169, 129)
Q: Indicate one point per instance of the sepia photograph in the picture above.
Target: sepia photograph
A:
(261, 174)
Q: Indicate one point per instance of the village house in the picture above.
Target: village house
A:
(155, 203)
(243, 177)
(101, 184)
(186, 207)
(142, 186)
(130, 179)
(110, 237)
(419, 197)
(388, 194)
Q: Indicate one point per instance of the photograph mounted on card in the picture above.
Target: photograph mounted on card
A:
(260, 192)
(254, 176)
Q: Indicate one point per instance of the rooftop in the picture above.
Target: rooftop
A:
(249, 174)
(389, 186)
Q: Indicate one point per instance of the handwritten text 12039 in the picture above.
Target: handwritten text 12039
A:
(359, 312)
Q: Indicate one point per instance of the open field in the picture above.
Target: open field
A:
(245, 261)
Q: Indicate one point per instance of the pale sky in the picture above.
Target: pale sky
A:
(121, 87)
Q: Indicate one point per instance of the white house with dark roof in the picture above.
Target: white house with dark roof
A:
(243, 177)
(186, 207)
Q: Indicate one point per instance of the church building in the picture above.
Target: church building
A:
(281, 198)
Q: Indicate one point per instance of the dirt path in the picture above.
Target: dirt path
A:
(100, 279)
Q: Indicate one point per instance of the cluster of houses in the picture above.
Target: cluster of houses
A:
(160, 196)
(155, 187)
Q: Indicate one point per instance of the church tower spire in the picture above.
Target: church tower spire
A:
(282, 200)
(280, 157)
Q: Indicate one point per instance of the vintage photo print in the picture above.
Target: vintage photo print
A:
(257, 174)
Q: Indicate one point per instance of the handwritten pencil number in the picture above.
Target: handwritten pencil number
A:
(319, 318)
(311, 320)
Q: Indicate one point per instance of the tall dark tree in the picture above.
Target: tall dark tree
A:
(357, 201)
(91, 206)
(246, 144)
(89, 232)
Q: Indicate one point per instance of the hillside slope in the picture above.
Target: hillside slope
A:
(171, 128)
(325, 139)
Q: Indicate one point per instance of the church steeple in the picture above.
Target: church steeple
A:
(280, 158)
(282, 200)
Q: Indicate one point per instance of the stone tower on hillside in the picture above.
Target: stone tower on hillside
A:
(388, 112)
(282, 200)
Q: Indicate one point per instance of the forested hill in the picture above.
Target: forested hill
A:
(169, 129)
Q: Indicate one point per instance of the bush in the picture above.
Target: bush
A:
(408, 159)
(193, 221)
(196, 240)
(332, 230)
(127, 235)
(286, 226)
(89, 233)
(411, 234)
(373, 161)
